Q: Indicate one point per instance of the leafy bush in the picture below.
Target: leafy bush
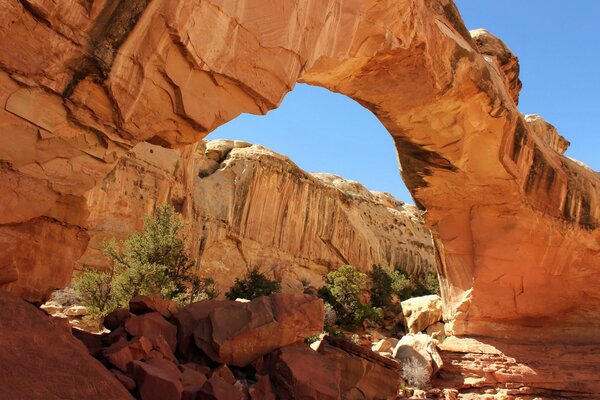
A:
(253, 284)
(151, 262)
(382, 281)
(343, 290)
(414, 286)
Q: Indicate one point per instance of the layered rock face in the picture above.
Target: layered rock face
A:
(514, 221)
(247, 206)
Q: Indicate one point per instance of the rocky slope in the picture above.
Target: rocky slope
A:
(513, 220)
(247, 206)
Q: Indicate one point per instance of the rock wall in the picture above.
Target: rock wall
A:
(248, 206)
(514, 221)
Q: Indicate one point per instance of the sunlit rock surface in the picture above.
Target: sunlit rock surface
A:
(247, 206)
(514, 221)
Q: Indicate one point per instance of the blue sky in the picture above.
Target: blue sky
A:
(558, 45)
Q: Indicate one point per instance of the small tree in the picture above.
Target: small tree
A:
(151, 262)
(253, 284)
(343, 290)
(382, 285)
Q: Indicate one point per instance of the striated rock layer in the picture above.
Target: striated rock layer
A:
(514, 221)
(247, 206)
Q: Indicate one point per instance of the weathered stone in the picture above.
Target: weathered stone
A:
(80, 85)
(364, 374)
(246, 178)
(385, 345)
(262, 389)
(421, 312)
(420, 348)
(437, 331)
(239, 333)
(126, 381)
(116, 318)
(298, 372)
(224, 372)
(141, 304)
(217, 388)
(187, 319)
(152, 325)
(37, 352)
(156, 382)
(191, 377)
(75, 311)
(121, 353)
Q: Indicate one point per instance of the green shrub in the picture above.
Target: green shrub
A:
(382, 285)
(151, 262)
(414, 286)
(343, 289)
(253, 284)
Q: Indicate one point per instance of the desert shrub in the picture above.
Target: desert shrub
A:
(95, 291)
(414, 286)
(343, 289)
(151, 262)
(415, 373)
(253, 284)
(381, 281)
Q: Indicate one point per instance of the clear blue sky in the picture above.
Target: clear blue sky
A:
(558, 45)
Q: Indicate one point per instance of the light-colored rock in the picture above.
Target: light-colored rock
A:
(385, 345)
(421, 312)
(76, 311)
(437, 331)
(226, 186)
(39, 357)
(420, 348)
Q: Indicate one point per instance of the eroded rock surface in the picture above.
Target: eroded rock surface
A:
(39, 359)
(514, 221)
(247, 206)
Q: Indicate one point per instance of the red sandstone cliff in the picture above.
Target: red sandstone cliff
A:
(513, 220)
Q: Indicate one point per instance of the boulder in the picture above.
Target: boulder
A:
(239, 333)
(192, 377)
(420, 349)
(125, 380)
(217, 388)
(152, 325)
(262, 389)
(121, 353)
(385, 345)
(420, 312)
(298, 372)
(141, 304)
(437, 331)
(156, 382)
(41, 360)
(364, 374)
(76, 311)
(116, 318)
(187, 318)
(224, 372)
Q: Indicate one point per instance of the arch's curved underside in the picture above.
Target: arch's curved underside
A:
(515, 222)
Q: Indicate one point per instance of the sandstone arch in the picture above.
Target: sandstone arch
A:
(514, 220)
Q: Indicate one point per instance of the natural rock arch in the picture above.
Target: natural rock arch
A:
(514, 220)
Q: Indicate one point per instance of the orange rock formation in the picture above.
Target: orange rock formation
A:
(247, 206)
(514, 221)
